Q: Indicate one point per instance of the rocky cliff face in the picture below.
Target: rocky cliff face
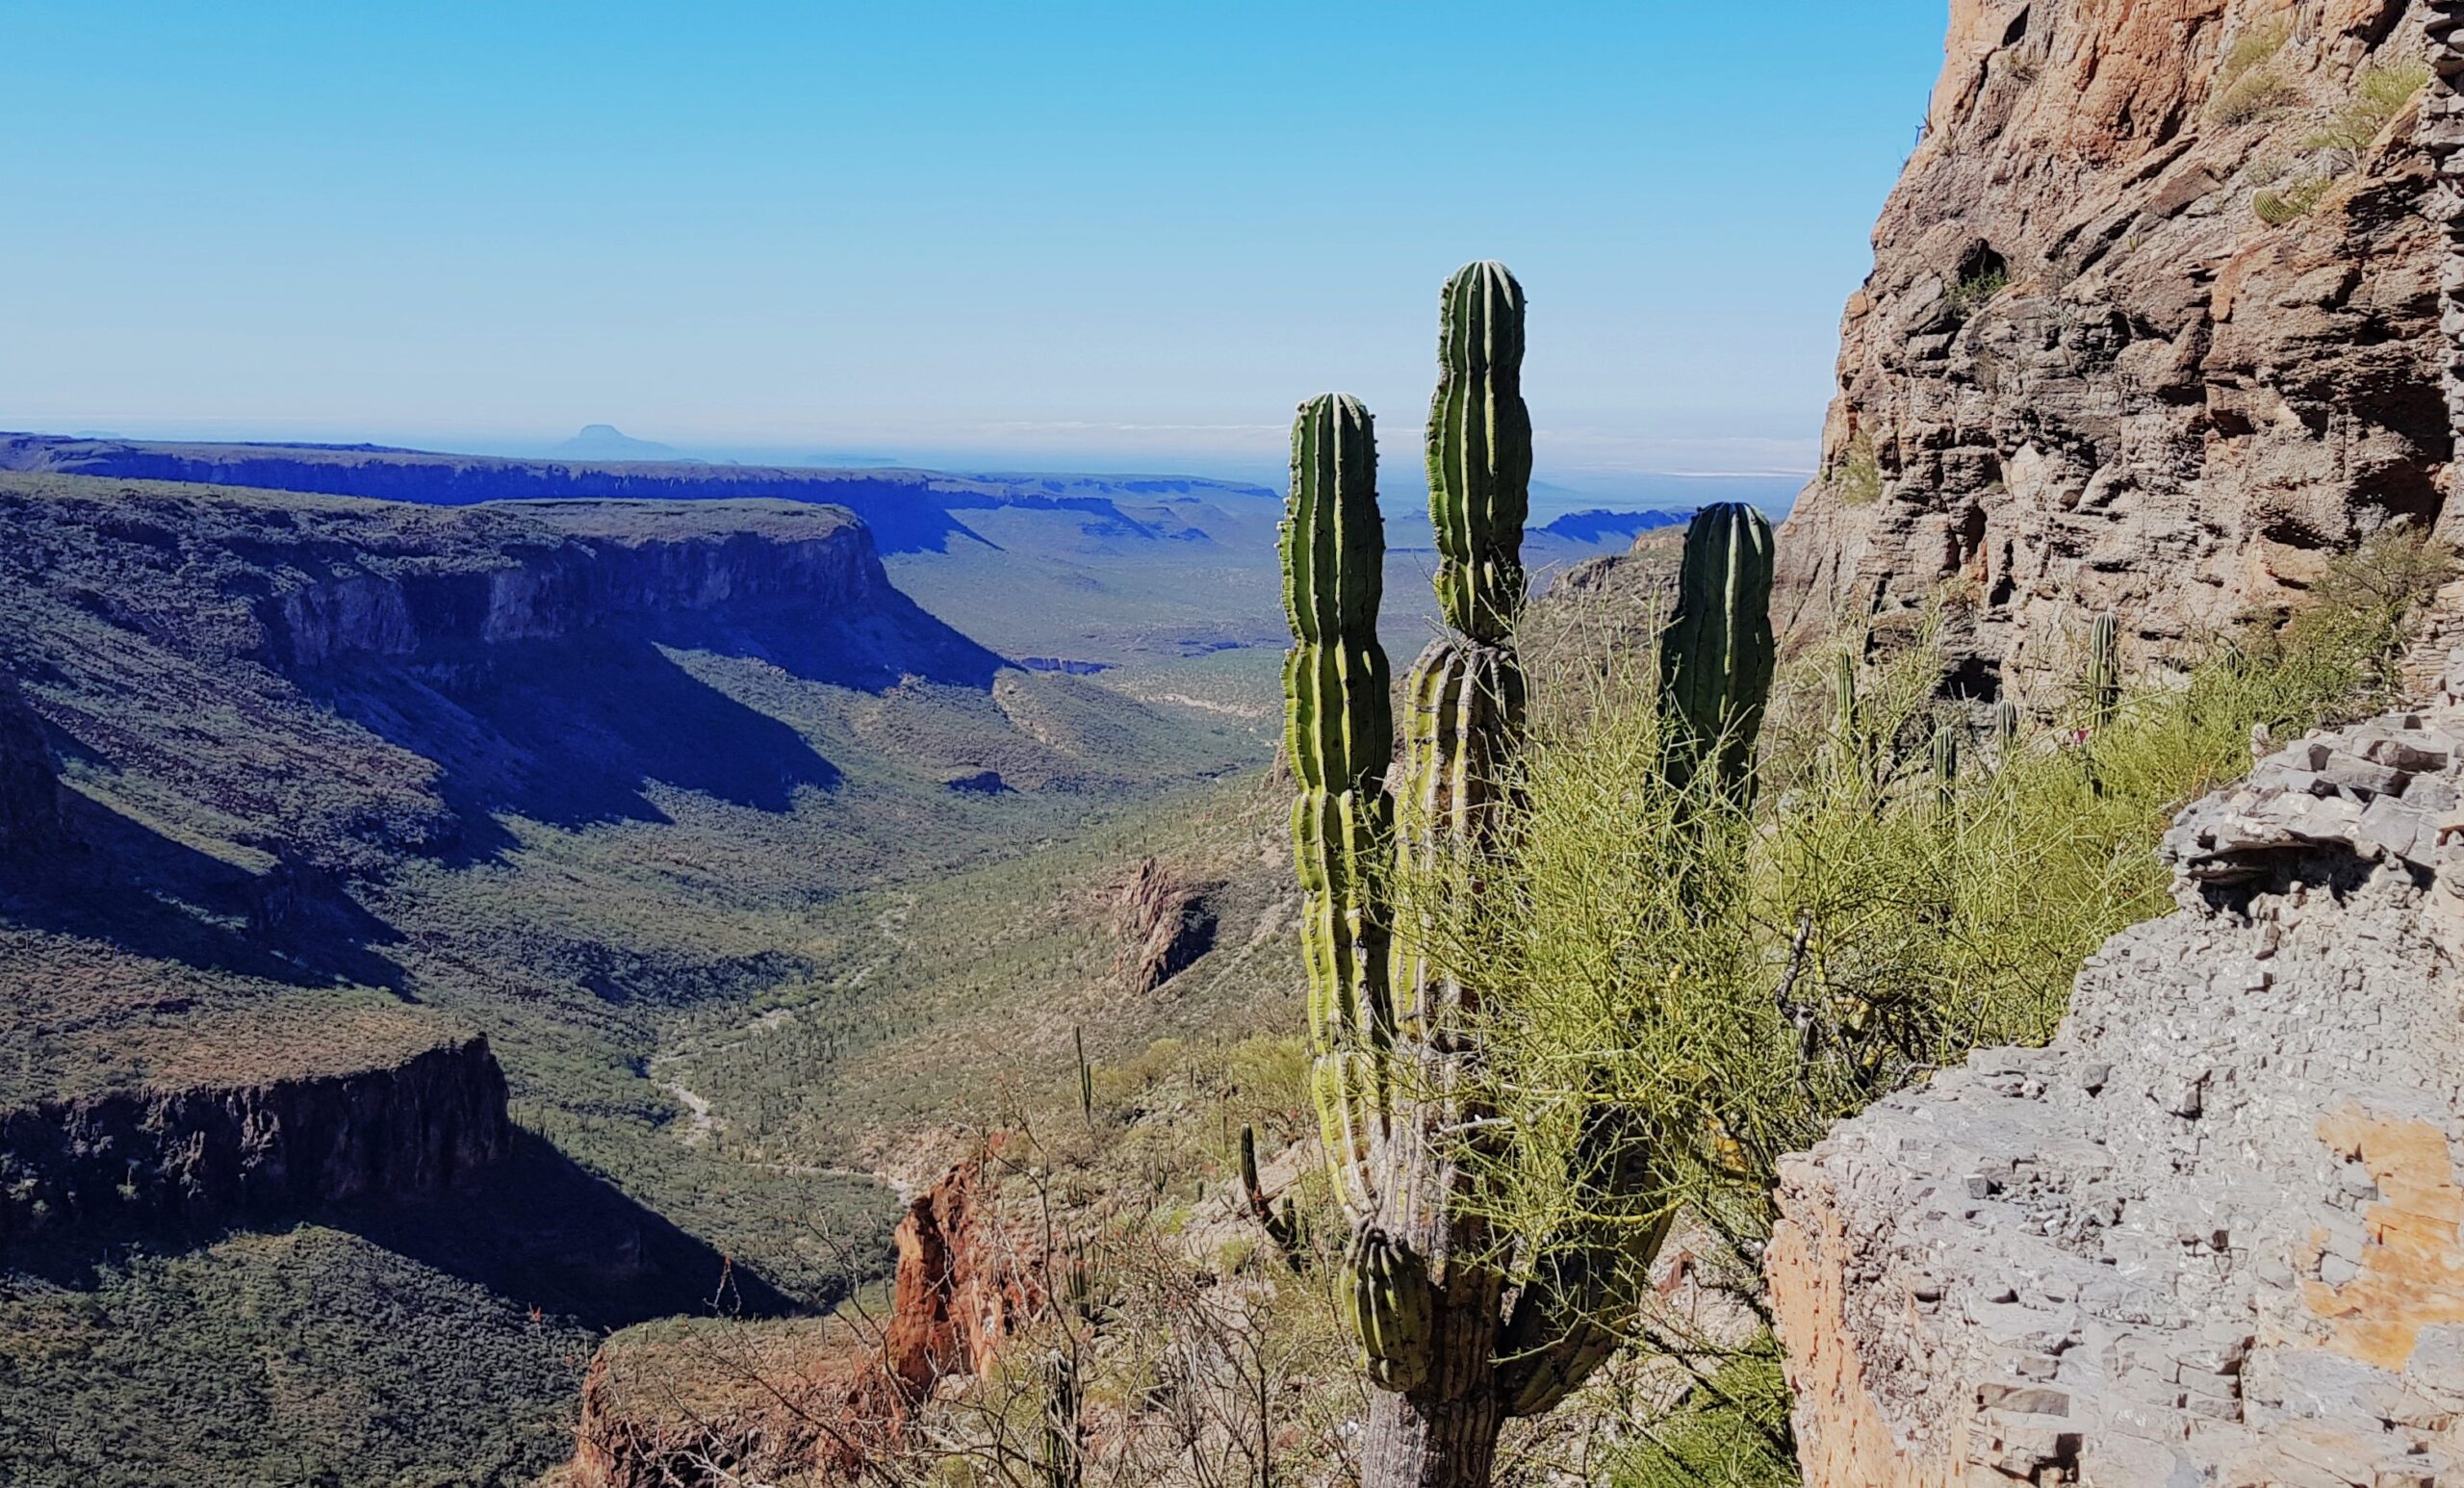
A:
(2215, 1232)
(593, 565)
(2153, 326)
(808, 1401)
(1164, 923)
(186, 1160)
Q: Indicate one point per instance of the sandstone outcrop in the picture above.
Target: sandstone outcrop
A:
(2215, 1232)
(191, 1159)
(671, 1406)
(2153, 327)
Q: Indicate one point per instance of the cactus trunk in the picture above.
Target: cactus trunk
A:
(1059, 1460)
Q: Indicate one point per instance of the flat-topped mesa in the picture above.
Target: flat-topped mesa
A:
(2153, 328)
(2211, 1233)
(593, 563)
(190, 1160)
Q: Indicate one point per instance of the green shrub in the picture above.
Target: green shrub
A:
(2378, 94)
(1858, 477)
(1977, 286)
(2278, 208)
(1750, 980)
(2246, 87)
(1729, 1431)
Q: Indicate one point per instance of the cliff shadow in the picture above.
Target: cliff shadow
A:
(870, 651)
(536, 1229)
(118, 881)
(573, 733)
(543, 1230)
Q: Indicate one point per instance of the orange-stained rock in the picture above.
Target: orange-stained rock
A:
(664, 1405)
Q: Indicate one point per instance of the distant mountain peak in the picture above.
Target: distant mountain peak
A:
(607, 441)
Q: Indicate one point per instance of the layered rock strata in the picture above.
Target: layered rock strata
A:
(2215, 1232)
(2153, 327)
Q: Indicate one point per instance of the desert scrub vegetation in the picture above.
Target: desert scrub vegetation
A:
(1906, 886)
(2246, 86)
(1975, 284)
(2380, 92)
(1858, 476)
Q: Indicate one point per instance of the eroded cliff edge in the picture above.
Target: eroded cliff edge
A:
(2153, 327)
(2210, 1234)
(145, 1160)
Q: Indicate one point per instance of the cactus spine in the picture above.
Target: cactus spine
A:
(2104, 670)
(1339, 731)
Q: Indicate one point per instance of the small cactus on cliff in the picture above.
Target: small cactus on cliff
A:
(2104, 670)
(1946, 763)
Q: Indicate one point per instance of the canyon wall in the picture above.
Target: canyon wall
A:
(2153, 327)
(909, 510)
(191, 1159)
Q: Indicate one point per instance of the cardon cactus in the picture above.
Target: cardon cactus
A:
(1716, 655)
(1382, 1290)
(1060, 1456)
(1946, 762)
(1479, 453)
(2104, 670)
(1398, 1067)
(2006, 725)
(1281, 1225)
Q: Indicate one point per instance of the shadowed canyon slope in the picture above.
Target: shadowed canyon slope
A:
(299, 795)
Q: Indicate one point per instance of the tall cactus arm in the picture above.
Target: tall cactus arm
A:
(1339, 730)
(1467, 709)
(1337, 721)
(1479, 453)
(1716, 654)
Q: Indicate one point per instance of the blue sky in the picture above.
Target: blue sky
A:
(1054, 235)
